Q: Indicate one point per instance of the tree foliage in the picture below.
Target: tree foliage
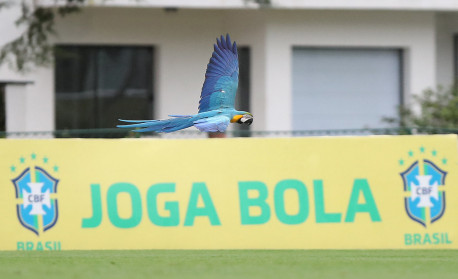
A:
(33, 46)
(438, 108)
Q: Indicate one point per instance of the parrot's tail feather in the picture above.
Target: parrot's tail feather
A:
(180, 116)
(166, 126)
(135, 121)
(137, 124)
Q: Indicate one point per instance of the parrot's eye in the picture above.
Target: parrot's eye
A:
(246, 119)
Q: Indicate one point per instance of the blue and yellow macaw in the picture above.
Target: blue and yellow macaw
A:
(216, 106)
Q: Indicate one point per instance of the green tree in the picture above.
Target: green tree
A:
(437, 111)
(33, 46)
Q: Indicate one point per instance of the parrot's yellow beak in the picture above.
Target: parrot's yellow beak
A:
(245, 119)
(236, 118)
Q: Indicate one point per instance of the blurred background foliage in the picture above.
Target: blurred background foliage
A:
(433, 109)
(33, 46)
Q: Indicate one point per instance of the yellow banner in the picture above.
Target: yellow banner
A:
(387, 192)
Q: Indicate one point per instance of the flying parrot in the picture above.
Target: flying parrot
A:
(216, 106)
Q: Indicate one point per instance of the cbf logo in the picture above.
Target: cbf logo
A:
(36, 190)
(424, 182)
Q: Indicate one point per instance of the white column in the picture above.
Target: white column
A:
(16, 108)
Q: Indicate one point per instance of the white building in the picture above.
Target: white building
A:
(317, 64)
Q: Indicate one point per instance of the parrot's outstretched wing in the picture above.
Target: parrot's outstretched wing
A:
(221, 77)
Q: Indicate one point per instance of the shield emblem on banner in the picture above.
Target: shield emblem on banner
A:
(38, 210)
(426, 202)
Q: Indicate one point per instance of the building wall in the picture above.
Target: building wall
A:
(411, 31)
(430, 5)
(183, 43)
(29, 107)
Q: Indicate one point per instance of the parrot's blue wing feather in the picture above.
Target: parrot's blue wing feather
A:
(221, 77)
(217, 123)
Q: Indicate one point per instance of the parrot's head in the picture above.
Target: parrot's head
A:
(246, 118)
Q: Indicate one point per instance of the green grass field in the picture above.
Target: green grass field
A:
(231, 264)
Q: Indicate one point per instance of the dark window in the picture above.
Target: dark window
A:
(97, 85)
(242, 101)
(2, 108)
(455, 53)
